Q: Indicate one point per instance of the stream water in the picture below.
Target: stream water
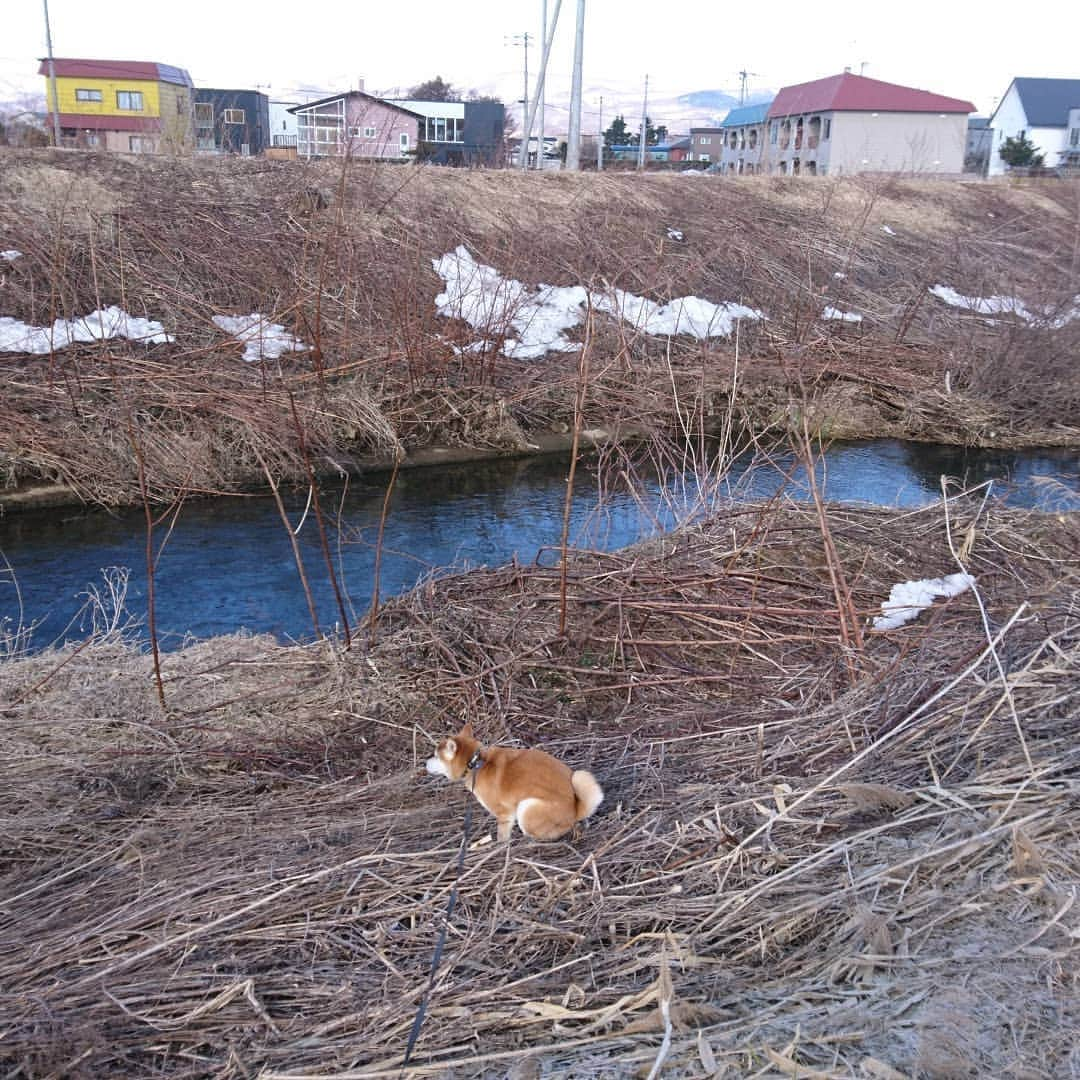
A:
(228, 563)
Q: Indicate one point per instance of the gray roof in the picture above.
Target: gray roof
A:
(1047, 101)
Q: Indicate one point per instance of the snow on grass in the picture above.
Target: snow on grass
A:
(101, 325)
(261, 338)
(674, 234)
(908, 598)
(10, 255)
(887, 231)
(686, 315)
(841, 316)
(534, 321)
(983, 305)
(1008, 305)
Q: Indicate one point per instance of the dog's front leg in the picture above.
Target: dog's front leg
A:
(506, 827)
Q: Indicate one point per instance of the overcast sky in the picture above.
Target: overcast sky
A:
(951, 48)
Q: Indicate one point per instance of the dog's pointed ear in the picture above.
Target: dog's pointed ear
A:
(467, 730)
(451, 746)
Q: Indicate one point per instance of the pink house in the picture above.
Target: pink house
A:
(355, 124)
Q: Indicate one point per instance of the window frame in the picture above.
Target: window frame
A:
(131, 95)
(89, 94)
(227, 116)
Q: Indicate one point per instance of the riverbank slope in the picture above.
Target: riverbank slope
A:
(824, 850)
(916, 309)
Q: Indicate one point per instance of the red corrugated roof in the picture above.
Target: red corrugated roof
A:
(117, 69)
(856, 93)
(85, 122)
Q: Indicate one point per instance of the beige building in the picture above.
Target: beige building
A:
(851, 124)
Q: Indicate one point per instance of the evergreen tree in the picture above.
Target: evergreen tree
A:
(617, 134)
(1020, 151)
(652, 134)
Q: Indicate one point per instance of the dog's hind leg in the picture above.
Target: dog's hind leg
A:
(541, 820)
(506, 827)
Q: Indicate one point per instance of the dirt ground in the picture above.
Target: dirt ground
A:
(825, 851)
(183, 241)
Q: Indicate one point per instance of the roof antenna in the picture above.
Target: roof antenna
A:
(863, 66)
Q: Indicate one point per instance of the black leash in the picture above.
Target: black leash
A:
(474, 763)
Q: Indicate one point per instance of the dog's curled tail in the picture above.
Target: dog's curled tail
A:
(588, 793)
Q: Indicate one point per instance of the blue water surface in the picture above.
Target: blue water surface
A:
(228, 563)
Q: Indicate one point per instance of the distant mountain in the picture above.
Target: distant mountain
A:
(721, 100)
(709, 100)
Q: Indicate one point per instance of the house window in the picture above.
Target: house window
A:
(774, 131)
(204, 114)
(140, 144)
(404, 141)
(180, 103)
(827, 131)
(704, 157)
(233, 116)
(87, 95)
(705, 140)
(129, 100)
(369, 133)
(1074, 137)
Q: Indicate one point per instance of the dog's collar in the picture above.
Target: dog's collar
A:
(475, 761)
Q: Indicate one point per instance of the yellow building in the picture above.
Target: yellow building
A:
(132, 106)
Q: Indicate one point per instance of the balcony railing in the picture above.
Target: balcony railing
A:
(284, 140)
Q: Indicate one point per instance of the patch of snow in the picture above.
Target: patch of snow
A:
(908, 598)
(887, 231)
(686, 315)
(840, 275)
(988, 305)
(842, 316)
(534, 321)
(11, 255)
(261, 338)
(675, 234)
(101, 325)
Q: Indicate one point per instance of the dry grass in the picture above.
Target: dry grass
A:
(812, 861)
(182, 241)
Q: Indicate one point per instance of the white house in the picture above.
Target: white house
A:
(1037, 109)
(1071, 156)
(282, 123)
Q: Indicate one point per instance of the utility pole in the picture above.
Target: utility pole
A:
(600, 138)
(540, 88)
(530, 118)
(642, 135)
(573, 138)
(52, 77)
(523, 155)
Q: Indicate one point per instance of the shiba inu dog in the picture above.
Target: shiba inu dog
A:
(538, 792)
